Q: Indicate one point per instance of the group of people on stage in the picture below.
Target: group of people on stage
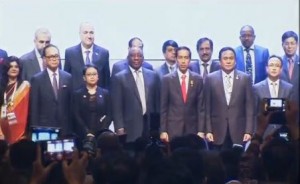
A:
(215, 99)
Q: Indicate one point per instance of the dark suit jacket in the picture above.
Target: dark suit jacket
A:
(162, 70)
(295, 76)
(3, 55)
(238, 115)
(45, 109)
(261, 91)
(194, 66)
(126, 103)
(30, 65)
(123, 64)
(74, 64)
(179, 118)
(261, 55)
(82, 112)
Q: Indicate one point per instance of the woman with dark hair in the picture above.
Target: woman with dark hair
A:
(14, 99)
(91, 105)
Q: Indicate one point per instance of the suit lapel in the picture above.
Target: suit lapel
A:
(281, 90)
(198, 67)
(190, 86)
(257, 59)
(132, 84)
(96, 54)
(265, 89)
(79, 55)
(35, 62)
(48, 84)
(235, 86)
(177, 85)
(165, 69)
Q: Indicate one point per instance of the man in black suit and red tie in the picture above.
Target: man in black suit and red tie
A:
(50, 94)
(229, 103)
(87, 52)
(181, 107)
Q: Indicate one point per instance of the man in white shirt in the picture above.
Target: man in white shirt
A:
(272, 87)
(32, 62)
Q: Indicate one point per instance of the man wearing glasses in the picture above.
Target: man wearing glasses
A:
(32, 62)
(50, 94)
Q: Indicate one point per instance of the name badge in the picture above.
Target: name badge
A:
(3, 111)
(11, 117)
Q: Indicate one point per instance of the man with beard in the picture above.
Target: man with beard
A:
(32, 62)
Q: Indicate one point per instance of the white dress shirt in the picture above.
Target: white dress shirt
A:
(202, 67)
(273, 89)
(40, 59)
(84, 53)
(227, 90)
(50, 73)
(187, 76)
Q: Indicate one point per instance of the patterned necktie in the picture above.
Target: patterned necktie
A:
(249, 68)
(183, 87)
(55, 85)
(291, 67)
(87, 60)
(274, 84)
(141, 90)
(228, 88)
(205, 70)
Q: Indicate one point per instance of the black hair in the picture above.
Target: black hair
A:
(132, 39)
(289, 34)
(167, 43)
(226, 49)
(87, 66)
(201, 40)
(184, 48)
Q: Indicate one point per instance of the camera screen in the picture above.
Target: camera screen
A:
(68, 145)
(275, 103)
(54, 146)
(59, 149)
(44, 134)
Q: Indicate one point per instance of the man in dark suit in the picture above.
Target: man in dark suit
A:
(3, 56)
(50, 94)
(87, 52)
(181, 107)
(123, 64)
(135, 96)
(272, 87)
(32, 62)
(169, 50)
(229, 103)
(251, 58)
(291, 64)
(205, 65)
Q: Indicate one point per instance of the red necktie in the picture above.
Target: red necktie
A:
(183, 87)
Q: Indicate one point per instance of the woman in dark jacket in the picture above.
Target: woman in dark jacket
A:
(91, 105)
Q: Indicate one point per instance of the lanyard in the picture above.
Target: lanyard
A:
(12, 96)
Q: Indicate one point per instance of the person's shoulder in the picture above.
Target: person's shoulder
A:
(28, 55)
(260, 47)
(73, 48)
(121, 62)
(65, 74)
(100, 48)
(259, 84)
(195, 75)
(286, 84)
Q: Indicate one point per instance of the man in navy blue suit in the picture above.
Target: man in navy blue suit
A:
(3, 55)
(206, 64)
(135, 97)
(169, 50)
(290, 70)
(87, 52)
(123, 64)
(50, 94)
(251, 58)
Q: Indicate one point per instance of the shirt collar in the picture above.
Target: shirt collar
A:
(231, 74)
(174, 65)
(51, 72)
(187, 73)
(276, 82)
(134, 70)
(37, 53)
(251, 48)
(208, 62)
(84, 49)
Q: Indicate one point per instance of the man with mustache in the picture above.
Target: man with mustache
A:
(205, 65)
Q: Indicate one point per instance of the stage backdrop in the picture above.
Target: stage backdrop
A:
(154, 21)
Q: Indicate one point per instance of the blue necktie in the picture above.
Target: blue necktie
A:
(249, 68)
(87, 60)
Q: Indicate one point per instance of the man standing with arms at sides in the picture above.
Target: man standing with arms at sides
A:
(290, 71)
(272, 87)
(87, 52)
(251, 58)
(32, 62)
(181, 107)
(50, 94)
(205, 65)
(169, 51)
(123, 64)
(229, 104)
(135, 96)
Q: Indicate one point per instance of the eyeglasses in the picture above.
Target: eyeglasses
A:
(43, 41)
(91, 74)
(56, 56)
